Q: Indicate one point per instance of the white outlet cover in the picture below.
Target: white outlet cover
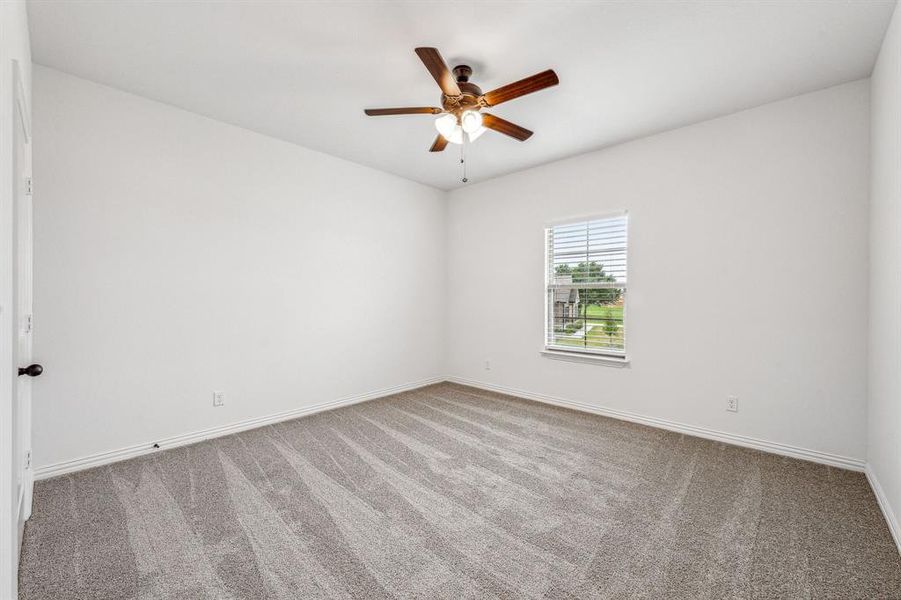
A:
(732, 403)
(218, 398)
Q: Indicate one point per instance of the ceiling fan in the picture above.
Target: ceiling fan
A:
(462, 102)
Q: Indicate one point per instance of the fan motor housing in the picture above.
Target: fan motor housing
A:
(469, 100)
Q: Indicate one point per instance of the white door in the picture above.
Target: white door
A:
(15, 323)
(23, 282)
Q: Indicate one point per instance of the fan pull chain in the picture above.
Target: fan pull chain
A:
(463, 157)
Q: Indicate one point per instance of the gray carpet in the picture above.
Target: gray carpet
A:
(452, 492)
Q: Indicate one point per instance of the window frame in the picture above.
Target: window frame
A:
(576, 353)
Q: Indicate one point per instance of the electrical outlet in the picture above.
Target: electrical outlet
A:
(487, 365)
(732, 403)
(218, 398)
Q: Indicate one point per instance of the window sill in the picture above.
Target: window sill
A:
(583, 357)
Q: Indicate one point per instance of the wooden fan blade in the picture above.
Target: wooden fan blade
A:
(506, 127)
(439, 144)
(409, 110)
(438, 68)
(522, 87)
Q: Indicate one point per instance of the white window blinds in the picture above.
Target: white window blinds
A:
(586, 286)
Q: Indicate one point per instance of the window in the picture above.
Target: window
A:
(586, 286)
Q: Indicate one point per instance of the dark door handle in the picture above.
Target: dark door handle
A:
(31, 370)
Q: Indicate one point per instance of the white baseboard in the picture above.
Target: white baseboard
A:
(816, 456)
(884, 505)
(103, 458)
(111, 456)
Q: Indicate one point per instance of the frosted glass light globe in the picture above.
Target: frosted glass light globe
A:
(471, 121)
(474, 135)
(449, 129)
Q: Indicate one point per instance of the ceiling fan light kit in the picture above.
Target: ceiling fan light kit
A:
(462, 101)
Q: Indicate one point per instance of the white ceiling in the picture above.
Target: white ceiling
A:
(304, 71)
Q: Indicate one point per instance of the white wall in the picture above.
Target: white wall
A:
(884, 439)
(14, 46)
(748, 273)
(176, 255)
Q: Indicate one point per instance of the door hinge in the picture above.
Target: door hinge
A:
(28, 459)
(28, 185)
(29, 323)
